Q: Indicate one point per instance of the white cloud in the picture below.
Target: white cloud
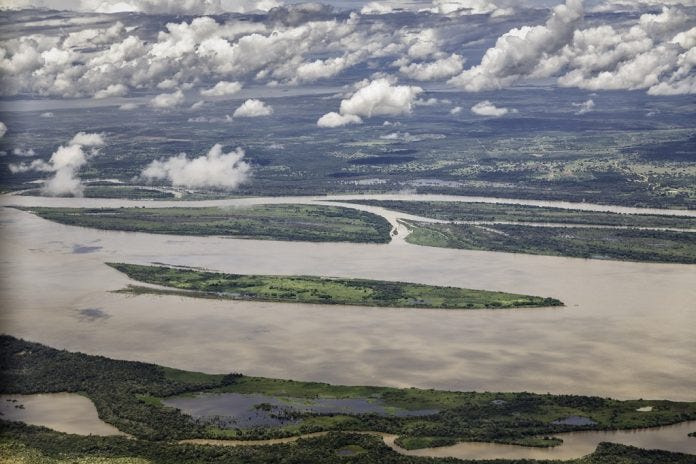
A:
(469, 7)
(456, 110)
(380, 97)
(628, 5)
(3, 129)
(214, 170)
(168, 100)
(584, 107)
(27, 152)
(113, 90)
(373, 98)
(65, 164)
(334, 119)
(518, 52)
(47, 114)
(129, 107)
(376, 8)
(439, 69)
(252, 108)
(183, 7)
(486, 108)
(685, 39)
(221, 89)
(87, 139)
(431, 102)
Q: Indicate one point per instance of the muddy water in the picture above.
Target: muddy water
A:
(575, 444)
(65, 412)
(627, 330)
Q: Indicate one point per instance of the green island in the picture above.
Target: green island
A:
(130, 395)
(577, 242)
(313, 223)
(319, 290)
(499, 212)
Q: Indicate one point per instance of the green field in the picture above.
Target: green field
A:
(581, 242)
(273, 222)
(322, 290)
(490, 212)
(125, 393)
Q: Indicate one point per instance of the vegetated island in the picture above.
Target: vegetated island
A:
(319, 290)
(131, 396)
(502, 212)
(554, 232)
(577, 242)
(312, 223)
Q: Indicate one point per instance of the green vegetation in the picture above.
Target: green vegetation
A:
(273, 222)
(322, 290)
(126, 395)
(491, 212)
(582, 242)
(21, 444)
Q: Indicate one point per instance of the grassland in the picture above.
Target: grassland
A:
(272, 222)
(489, 212)
(581, 242)
(323, 290)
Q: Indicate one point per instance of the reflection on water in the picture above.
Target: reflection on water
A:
(627, 331)
(229, 410)
(65, 412)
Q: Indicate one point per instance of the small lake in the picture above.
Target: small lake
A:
(64, 412)
(229, 410)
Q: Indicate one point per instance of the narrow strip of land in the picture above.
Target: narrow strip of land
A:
(320, 290)
(293, 222)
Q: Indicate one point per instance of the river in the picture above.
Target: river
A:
(627, 330)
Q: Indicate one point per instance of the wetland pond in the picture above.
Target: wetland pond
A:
(231, 410)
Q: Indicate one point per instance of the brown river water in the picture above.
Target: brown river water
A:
(628, 330)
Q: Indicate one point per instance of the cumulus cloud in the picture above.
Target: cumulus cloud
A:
(168, 100)
(87, 139)
(381, 97)
(252, 108)
(376, 8)
(215, 169)
(456, 110)
(65, 163)
(486, 108)
(25, 152)
(182, 7)
(221, 89)
(3, 129)
(584, 107)
(291, 45)
(334, 119)
(113, 90)
(374, 98)
(47, 114)
(653, 53)
(518, 53)
(128, 107)
(439, 69)
(469, 7)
